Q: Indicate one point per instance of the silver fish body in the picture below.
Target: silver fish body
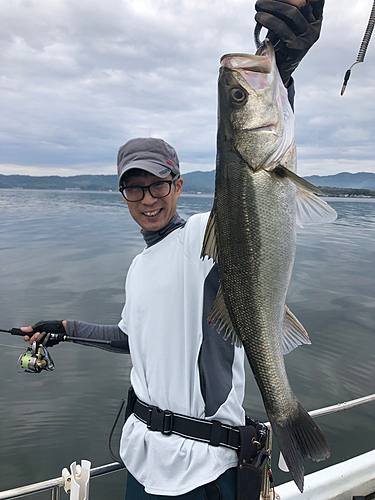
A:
(251, 233)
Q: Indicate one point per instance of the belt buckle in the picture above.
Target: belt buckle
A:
(159, 420)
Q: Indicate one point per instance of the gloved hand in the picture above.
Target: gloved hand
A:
(45, 328)
(292, 30)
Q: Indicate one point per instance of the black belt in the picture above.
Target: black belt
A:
(212, 432)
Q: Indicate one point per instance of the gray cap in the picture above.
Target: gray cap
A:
(153, 155)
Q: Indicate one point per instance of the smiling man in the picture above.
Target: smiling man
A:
(183, 435)
(149, 180)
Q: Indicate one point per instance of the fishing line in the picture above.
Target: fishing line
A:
(362, 49)
(13, 346)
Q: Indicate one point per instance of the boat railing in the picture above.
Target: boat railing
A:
(55, 485)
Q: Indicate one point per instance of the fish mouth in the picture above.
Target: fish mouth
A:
(247, 62)
(257, 70)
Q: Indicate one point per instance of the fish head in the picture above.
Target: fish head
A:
(254, 110)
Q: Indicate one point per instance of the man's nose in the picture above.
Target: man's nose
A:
(148, 199)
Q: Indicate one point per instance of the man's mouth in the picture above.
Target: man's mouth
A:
(153, 213)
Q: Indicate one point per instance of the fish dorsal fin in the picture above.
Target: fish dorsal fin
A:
(294, 333)
(310, 209)
(209, 247)
(219, 318)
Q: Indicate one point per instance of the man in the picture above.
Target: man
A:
(181, 438)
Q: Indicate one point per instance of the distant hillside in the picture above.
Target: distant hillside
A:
(193, 182)
(356, 193)
(360, 180)
(85, 182)
(203, 182)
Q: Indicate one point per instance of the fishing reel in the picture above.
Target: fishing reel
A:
(35, 359)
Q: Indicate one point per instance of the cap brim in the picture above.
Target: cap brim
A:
(149, 166)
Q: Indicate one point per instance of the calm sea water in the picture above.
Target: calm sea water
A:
(65, 255)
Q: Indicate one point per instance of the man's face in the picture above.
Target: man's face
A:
(151, 213)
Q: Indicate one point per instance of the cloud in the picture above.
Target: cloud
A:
(81, 78)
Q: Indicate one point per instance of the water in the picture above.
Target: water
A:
(65, 255)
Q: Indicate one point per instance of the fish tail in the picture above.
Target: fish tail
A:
(300, 438)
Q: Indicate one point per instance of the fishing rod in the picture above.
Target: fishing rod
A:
(362, 49)
(37, 357)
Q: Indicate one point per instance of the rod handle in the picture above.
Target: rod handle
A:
(18, 331)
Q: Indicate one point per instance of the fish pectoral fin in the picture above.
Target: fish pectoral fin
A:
(282, 172)
(293, 333)
(220, 318)
(209, 247)
(310, 209)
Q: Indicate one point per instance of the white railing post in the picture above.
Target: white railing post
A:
(55, 493)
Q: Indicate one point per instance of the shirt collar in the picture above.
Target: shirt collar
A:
(153, 237)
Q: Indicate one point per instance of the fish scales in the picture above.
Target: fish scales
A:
(264, 260)
(251, 233)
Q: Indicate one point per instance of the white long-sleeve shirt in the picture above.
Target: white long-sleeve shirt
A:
(180, 363)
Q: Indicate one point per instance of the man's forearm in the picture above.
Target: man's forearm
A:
(96, 332)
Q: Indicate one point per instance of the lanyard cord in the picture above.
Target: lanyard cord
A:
(363, 48)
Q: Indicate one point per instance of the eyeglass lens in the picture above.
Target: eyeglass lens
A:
(157, 190)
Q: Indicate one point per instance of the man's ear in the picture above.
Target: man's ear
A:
(179, 183)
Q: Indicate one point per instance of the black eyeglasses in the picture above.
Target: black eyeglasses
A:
(159, 189)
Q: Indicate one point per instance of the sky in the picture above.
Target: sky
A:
(79, 78)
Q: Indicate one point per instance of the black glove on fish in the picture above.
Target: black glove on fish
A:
(49, 327)
(292, 31)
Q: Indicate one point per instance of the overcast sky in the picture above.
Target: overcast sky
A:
(81, 77)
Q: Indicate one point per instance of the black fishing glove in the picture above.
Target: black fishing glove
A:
(292, 31)
(47, 327)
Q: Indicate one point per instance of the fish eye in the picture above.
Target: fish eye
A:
(237, 96)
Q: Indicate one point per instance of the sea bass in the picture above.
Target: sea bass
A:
(251, 234)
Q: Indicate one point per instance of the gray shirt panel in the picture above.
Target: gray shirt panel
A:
(216, 355)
